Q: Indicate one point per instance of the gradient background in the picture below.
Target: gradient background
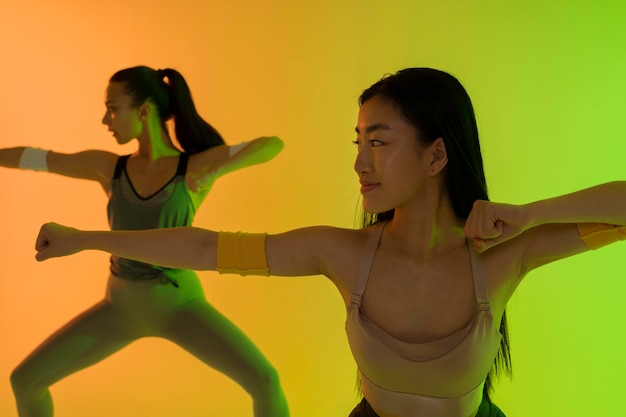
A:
(548, 83)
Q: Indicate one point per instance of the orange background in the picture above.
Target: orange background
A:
(548, 86)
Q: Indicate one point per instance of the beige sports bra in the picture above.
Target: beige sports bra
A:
(443, 378)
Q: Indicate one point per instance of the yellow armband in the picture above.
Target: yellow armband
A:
(596, 235)
(242, 254)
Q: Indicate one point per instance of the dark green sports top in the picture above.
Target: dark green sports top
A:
(170, 206)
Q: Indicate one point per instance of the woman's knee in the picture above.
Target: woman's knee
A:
(266, 380)
(24, 381)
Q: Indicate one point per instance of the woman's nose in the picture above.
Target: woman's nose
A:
(362, 163)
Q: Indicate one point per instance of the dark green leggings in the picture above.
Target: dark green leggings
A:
(487, 409)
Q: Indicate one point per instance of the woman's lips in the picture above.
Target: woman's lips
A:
(365, 187)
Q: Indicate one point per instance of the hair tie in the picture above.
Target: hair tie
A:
(161, 73)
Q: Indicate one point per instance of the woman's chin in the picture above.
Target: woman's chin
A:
(372, 208)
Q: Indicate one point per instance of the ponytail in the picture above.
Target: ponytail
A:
(193, 133)
(172, 98)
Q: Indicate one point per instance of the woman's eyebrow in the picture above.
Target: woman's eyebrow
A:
(374, 127)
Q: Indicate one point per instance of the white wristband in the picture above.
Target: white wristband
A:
(34, 159)
(236, 148)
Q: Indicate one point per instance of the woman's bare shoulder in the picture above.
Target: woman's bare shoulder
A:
(334, 252)
(342, 251)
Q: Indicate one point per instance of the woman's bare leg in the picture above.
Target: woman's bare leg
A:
(92, 336)
(204, 332)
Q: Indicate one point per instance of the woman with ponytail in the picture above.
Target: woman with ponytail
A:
(161, 185)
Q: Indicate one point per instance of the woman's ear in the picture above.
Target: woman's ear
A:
(144, 111)
(438, 156)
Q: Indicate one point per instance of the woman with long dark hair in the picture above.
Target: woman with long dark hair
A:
(161, 185)
(427, 281)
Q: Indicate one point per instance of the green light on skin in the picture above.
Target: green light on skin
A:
(437, 234)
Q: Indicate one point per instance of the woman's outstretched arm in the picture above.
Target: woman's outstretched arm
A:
(302, 252)
(492, 223)
(178, 247)
(604, 203)
(547, 230)
(91, 165)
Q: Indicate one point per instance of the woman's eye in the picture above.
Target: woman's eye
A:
(356, 143)
(375, 143)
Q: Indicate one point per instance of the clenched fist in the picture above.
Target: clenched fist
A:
(489, 224)
(55, 240)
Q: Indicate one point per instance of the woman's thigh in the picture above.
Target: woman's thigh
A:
(88, 338)
(210, 336)
(182, 315)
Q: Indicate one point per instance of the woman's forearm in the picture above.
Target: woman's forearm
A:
(258, 151)
(605, 203)
(10, 157)
(181, 247)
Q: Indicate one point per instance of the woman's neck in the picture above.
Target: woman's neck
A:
(155, 142)
(427, 230)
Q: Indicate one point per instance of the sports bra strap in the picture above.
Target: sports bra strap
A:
(367, 259)
(478, 275)
(182, 164)
(365, 264)
(119, 166)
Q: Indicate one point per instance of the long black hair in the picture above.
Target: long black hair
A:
(438, 106)
(172, 99)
